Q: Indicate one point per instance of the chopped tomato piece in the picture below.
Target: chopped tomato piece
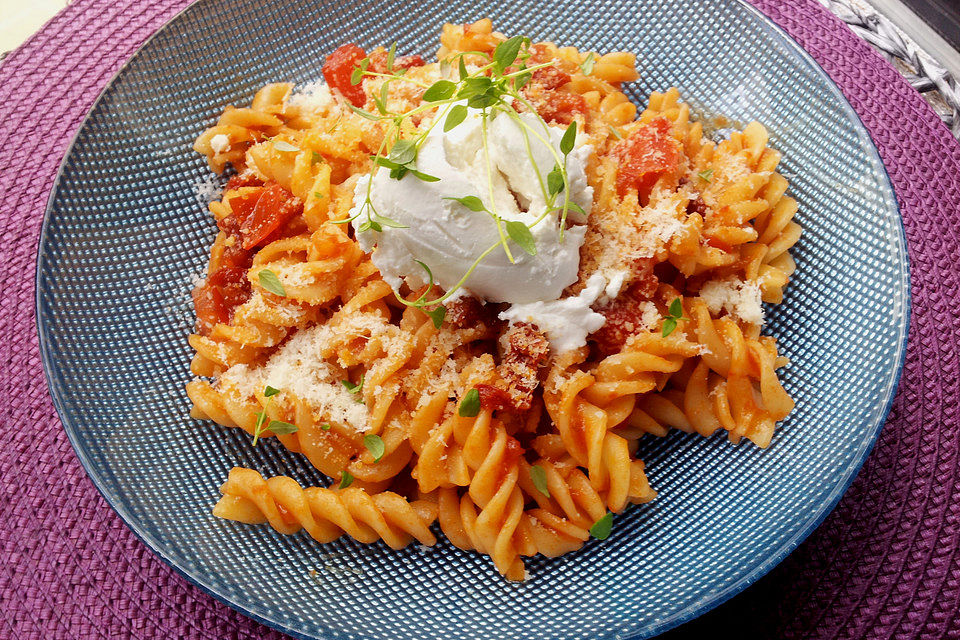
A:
(234, 255)
(242, 206)
(260, 212)
(550, 78)
(624, 317)
(560, 106)
(245, 179)
(408, 62)
(339, 67)
(649, 153)
(215, 300)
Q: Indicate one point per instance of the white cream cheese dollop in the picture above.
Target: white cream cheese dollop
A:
(566, 322)
(448, 237)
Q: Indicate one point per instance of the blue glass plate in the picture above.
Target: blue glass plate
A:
(124, 235)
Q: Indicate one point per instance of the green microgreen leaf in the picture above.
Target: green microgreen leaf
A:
(520, 81)
(616, 133)
(506, 52)
(269, 281)
(602, 527)
(470, 405)
(403, 152)
(281, 145)
(269, 391)
(483, 100)
(356, 389)
(426, 177)
(706, 176)
(258, 428)
(388, 222)
(362, 113)
(315, 157)
(470, 202)
(375, 446)
(457, 114)
(391, 55)
(520, 233)
(676, 308)
(669, 324)
(325, 427)
(462, 69)
(439, 90)
(437, 315)
(357, 76)
(675, 313)
(429, 279)
(386, 163)
(539, 477)
(281, 428)
(475, 86)
(381, 100)
(555, 180)
(569, 137)
(318, 195)
(586, 67)
(346, 479)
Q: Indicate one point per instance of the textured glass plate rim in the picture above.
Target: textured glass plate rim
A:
(649, 630)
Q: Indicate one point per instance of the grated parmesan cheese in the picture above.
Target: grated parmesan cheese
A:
(298, 368)
(738, 298)
(649, 315)
(220, 143)
(207, 189)
(313, 97)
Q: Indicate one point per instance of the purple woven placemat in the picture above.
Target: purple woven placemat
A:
(884, 564)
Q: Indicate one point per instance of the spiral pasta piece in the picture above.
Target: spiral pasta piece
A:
(325, 514)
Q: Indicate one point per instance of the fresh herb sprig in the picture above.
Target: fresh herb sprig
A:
(675, 314)
(278, 427)
(493, 87)
(354, 388)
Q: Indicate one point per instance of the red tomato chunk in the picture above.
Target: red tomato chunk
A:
(647, 155)
(262, 212)
(215, 300)
(339, 67)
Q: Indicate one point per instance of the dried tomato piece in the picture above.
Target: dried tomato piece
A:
(215, 300)
(494, 398)
(649, 153)
(339, 67)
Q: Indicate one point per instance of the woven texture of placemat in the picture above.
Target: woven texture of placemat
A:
(884, 564)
